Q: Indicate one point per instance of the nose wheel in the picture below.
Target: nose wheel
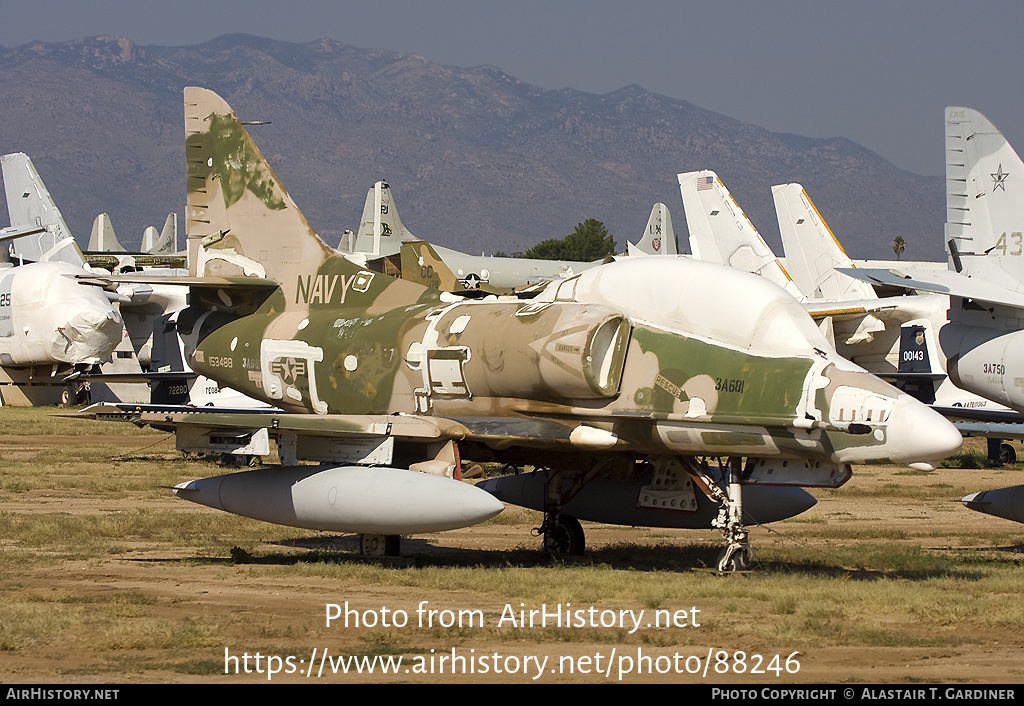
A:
(735, 557)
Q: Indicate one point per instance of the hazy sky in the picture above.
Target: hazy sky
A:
(877, 72)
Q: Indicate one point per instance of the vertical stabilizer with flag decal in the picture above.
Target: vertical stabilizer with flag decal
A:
(721, 232)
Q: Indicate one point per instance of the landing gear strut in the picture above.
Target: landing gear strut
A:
(563, 534)
(737, 555)
(76, 394)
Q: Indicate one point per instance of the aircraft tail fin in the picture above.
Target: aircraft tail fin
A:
(422, 264)
(812, 251)
(658, 238)
(239, 219)
(164, 243)
(241, 222)
(984, 200)
(30, 204)
(103, 238)
(914, 370)
(720, 231)
(381, 232)
(149, 238)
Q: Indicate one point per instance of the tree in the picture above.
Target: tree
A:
(898, 245)
(590, 241)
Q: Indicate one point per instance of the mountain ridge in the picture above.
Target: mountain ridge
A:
(478, 159)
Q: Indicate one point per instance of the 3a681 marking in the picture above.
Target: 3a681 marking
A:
(729, 384)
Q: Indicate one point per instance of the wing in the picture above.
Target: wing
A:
(339, 438)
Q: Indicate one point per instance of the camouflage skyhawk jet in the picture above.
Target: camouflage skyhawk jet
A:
(639, 398)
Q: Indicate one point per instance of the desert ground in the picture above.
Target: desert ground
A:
(106, 577)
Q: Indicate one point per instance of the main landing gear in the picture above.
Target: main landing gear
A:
(1000, 453)
(563, 534)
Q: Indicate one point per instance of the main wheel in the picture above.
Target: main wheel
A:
(379, 544)
(566, 537)
(1006, 454)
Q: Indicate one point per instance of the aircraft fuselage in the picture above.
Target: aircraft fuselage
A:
(47, 317)
(618, 359)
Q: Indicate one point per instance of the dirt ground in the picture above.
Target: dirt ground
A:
(153, 610)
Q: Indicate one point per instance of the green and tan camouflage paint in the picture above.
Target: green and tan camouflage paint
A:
(337, 339)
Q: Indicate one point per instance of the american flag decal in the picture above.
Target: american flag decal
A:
(705, 183)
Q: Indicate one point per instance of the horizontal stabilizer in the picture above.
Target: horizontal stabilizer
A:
(940, 282)
(211, 282)
(12, 232)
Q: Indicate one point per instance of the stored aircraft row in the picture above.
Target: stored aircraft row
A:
(892, 336)
(382, 236)
(634, 407)
(67, 335)
(971, 314)
(636, 398)
(985, 277)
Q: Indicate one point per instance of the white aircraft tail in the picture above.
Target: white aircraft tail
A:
(381, 231)
(102, 238)
(984, 200)
(658, 238)
(812, 250)
(164, 243)
(149, 238)
(30, 204)
(720, 231)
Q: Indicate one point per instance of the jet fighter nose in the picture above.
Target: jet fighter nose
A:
(918, 433)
